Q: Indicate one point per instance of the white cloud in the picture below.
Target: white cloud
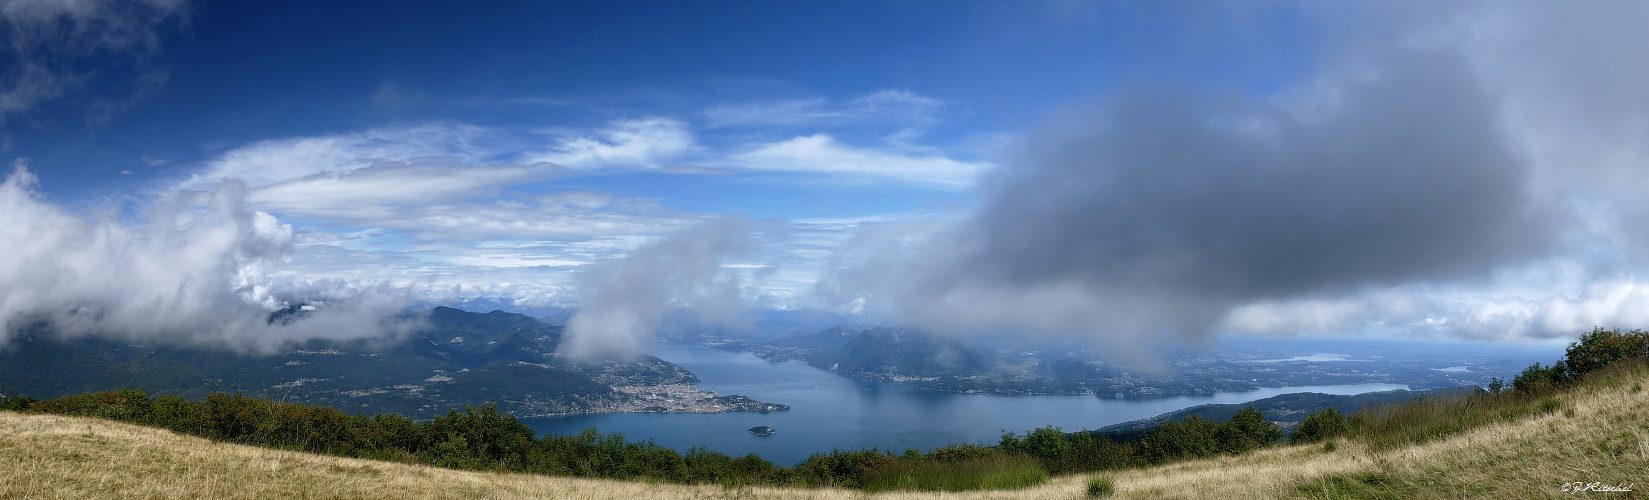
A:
(379, 191)
(1397, 308)
(623, 300)
(645, 143)
(567, 216)
(433, 206)
(1612, 303)
(898, 106)
(199, 272)
(279, 160)
(822, 154)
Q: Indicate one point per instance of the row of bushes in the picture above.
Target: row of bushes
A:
(1594, 350)
(1056, 451)
(483, 438)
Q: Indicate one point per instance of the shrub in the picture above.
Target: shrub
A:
(1600, 348)
(1537, 377)
(955, 452)
(1320, 425)
(16, 404)
(1100, 487)
(1190, 438)
(1246, 430)
(845, 468)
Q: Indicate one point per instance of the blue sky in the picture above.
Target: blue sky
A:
(242, 72)
(872, 148)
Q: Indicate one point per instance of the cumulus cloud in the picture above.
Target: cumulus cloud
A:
(198, 272)
(1619, 302)
(1158, 213)
(48, 41)
(623, 300)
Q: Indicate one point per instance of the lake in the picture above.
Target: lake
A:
(829, 411)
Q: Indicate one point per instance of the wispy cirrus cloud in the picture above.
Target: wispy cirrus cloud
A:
(896, 106)
(444, 206)
(47, 43)
(280, 160)
(381, 191)
(823, 155)
(650, 143)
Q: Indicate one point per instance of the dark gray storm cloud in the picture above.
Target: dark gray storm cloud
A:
(1407, 176)
(1161, 210)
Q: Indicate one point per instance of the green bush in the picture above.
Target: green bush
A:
(1101, 487)
(1600, 348)
(1247, 430)
(1536, 377)
(844, 468)
(1320, 425)
(16, 404)
(1061, 452)
(1193, 437)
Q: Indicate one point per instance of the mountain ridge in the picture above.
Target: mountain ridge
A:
(460, 358)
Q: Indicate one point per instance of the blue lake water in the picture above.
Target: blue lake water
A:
(829, 411)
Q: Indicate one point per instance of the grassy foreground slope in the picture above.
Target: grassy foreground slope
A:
(1597, 431)
(52, 456)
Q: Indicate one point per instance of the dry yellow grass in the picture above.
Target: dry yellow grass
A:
(48, 456)
(1601, 433)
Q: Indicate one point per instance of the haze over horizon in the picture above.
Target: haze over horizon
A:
(1125, 173)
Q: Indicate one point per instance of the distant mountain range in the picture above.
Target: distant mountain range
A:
(461, 358)
(943, 364)
(879, 353)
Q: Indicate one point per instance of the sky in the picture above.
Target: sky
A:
(1128, 173)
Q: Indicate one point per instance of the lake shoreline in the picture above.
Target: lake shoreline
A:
(830, 411)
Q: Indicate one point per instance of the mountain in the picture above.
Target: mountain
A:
(879, 353)
(558, 318)
(460, 358)
(832, 339)
(6, 393)
(485, 304)
(894, 353)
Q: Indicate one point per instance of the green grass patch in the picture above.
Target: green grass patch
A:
(1101, 487)
(1436, 416)
(1373, 486)
(1009, 472)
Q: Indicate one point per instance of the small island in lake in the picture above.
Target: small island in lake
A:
(761, 430)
